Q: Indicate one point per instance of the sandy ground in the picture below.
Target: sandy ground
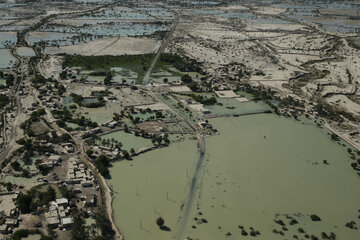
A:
(51, 67)
(82, 89)
(344, 102)
(348, 12)
(27, 101)
(5, 21)
(155, 106)
(110, 46)
(337, 90)
(234, 7)
(277, 52)
(270, 10)
(180, 89)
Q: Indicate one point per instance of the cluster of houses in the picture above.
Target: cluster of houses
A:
(59, 214)
(50, 162)
(110, 124)
(107, 151)
(51, 102)
(8, 212)
(78, 173)
(68, 147)
(90, 132)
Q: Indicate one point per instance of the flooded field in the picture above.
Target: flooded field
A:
(101, 27)
(20, 180)
(332, 17)
(25, 52)
(6, 59)
(7, 39)
(56, 38)
(234, 106)
(159, 183)
(119, 13)
(129, 140)
(295, 175)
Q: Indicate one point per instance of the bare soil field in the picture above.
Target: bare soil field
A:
(110, 46)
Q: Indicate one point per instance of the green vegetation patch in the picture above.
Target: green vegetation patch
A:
(30, 201)
(182, 63)
(332, 113)
(39, 128)
(24, 233)
(45, 188)
(354, 43)
(4, 100)
(136, 63)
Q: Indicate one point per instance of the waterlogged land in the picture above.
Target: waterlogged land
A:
(265, 168)
(260, 169)
(188, 110)
(152, 185)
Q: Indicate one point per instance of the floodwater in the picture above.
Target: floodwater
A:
(7, 39)
(57, 38)
(119, 13)
(172, 74)
(260, 168)
(111, 29)
(20, 180)
(233, 106)
(263, 165)
(129, 140)
(310, 14)
(25, 52)
(6, 59)
(152, 185)
(248, 16)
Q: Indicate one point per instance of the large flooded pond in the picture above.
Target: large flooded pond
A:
(260, 169)
(152, 185)
(263, 168)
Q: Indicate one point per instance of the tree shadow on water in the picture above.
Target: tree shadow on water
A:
(165, 228)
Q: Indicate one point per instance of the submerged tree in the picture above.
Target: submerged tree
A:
(160, 222)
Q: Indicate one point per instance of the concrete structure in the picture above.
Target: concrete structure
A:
(53, 221)
(242, 99)
(200, 109)
(62, 201)
(66, 222)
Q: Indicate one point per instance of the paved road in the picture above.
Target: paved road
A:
(201, 141)
(167, 38)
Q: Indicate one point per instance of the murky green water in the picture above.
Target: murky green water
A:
(260, 168)
(20, 180)
(25, 52)
(7, 39)
(233, 106)
(152, 185)
(6, 59)
(264, 165)
(129, 140)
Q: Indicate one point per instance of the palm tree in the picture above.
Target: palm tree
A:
(132, 151)
(119, 145)
(98, 138)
